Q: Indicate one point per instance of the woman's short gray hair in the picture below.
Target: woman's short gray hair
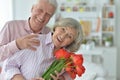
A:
(70, 22)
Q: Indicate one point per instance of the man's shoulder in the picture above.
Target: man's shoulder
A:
(13, 24)
(16, 21)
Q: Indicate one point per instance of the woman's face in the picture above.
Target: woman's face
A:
(41, 14)
(63, 36)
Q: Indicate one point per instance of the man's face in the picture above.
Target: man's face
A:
(41, 14)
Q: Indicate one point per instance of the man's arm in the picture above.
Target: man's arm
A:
(7, 47)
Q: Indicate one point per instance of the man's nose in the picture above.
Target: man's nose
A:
(42, 16)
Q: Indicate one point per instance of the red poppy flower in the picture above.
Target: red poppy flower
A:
(61, 54)
(73, 64)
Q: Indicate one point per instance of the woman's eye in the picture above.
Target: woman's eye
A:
(70, 37)
(63, 29)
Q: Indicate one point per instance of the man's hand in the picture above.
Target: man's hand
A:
(18, 77)
(28, 42)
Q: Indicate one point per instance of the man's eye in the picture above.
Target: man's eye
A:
(63, 29)
(70, 36)
(48, 15)
(39, 10)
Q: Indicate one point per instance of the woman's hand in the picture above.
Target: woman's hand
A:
(28, 42)
(61, 77)
(18, 77)
(38, 78)
(58, 76)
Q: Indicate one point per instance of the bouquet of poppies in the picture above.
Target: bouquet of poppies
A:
(72, 63)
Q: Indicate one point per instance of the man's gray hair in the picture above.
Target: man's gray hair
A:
(52, 2)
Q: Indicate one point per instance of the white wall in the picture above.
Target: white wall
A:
(6, 12)
(118, 36)
(22, 8)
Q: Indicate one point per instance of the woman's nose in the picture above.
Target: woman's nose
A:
(63, 36)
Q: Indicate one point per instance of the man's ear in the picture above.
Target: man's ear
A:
(32, 8)
(54, 29)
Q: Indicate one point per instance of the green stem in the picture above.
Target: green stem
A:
(58, 67)
(52, 65)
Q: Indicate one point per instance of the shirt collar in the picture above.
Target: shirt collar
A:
(48, 39)
(29, 29)
(49, 42)
(27, 26)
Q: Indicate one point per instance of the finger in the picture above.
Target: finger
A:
(32, 48)
(34, 42)
(57, 74)
(62, 71)
(33, 79)
(38, 78)
(53, 76)
(32, 36)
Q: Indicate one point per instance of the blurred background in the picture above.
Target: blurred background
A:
(100, 23)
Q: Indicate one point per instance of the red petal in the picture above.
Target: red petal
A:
(77, 59)
(68, 69)
(80, 70)
(62, 53)
(72, 74)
